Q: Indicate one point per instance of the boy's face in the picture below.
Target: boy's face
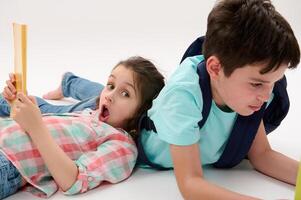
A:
(119, 100)
(245, 90)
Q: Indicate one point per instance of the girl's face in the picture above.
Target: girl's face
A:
(120, 99)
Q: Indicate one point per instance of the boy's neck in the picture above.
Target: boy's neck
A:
(218, 100)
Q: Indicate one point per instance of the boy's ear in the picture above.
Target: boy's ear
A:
(214, 67)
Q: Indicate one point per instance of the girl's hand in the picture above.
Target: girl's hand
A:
(27, 114)
(9, 92)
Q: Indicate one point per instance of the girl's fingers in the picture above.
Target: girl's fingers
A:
(33, 99)
(18, 103)
(23, 98)
(11, 86)
(5, 95)
(7, 92)
(12, 77)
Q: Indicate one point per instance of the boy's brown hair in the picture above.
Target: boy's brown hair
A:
(241, 32)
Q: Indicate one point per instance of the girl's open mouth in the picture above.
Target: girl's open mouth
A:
(104, 114)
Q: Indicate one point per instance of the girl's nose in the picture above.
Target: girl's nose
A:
(109, 97)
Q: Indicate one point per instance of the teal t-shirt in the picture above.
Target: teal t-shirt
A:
(176, 113)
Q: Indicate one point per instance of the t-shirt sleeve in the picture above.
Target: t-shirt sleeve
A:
(113, 161)
(177, 116)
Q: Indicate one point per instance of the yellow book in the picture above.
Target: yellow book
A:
(298, 184)
(20, 45)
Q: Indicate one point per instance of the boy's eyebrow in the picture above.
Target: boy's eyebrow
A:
(260, 80)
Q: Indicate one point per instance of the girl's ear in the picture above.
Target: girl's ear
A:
(214, 67)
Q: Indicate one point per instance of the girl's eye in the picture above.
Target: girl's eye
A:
(125, 94)
(110, 86)
(256, 85)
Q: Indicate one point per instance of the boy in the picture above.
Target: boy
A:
(247, 49)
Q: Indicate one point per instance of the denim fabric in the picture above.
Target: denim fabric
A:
(10, 178)
(73, 86)
(46, 107)
(79, 88)
(4, 107)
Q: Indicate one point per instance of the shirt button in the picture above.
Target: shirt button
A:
(90, 179)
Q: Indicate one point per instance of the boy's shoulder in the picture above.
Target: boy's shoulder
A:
(186, 73)
(184, 78)
(193, 60)
(183, 85)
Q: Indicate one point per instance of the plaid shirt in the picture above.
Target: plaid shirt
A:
(101, 152)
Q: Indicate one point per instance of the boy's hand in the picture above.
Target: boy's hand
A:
(26, 113)
(9, 91)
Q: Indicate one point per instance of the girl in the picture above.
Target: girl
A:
(76, 152)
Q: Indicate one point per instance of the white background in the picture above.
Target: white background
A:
(89, 37)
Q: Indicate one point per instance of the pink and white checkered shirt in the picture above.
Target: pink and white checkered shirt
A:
(101, 152)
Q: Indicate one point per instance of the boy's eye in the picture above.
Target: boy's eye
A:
(110, 86)
(125, 94)
(256, 85)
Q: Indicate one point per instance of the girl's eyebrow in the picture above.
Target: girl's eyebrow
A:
(131, 85)
(111, 76)
(127, 83)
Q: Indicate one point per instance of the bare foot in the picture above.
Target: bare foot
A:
(54, 94)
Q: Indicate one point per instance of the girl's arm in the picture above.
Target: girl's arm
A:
(270, 162)
(112, 161)
(189, 176)
(61, 167)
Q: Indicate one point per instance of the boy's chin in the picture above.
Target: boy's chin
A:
(246, 113)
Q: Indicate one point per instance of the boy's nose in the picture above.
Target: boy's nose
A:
(265, 95)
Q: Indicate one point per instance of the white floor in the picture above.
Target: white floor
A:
(89, 37)
(149, 185)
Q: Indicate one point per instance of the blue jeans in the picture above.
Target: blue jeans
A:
(10, 178)
(73, 86)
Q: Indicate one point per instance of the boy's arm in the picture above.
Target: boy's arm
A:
(270, 162)
(189, 176)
